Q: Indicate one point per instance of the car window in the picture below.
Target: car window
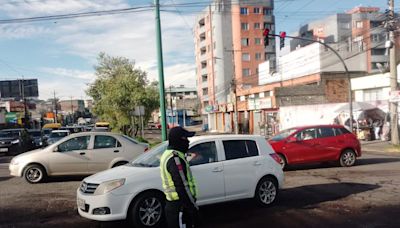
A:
(239, 149)
(58, 134)
(77, 143)
(325, 132)
(307, 134)
(152, 157)
(105, 141)
(202, 153)
(283, 134)
(341, 131)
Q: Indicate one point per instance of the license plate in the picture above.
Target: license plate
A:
(81, 204)
(3, 149)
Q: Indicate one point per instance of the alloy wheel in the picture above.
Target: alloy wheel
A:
(150, 211)
(348, 158)
(34, 174)
(267, 192)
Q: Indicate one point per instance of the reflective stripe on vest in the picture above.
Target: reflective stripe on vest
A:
(167, 182)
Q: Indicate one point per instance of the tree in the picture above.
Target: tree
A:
(118, 89)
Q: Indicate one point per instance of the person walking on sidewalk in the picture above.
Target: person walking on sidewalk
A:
(178, 183)
(377, 128)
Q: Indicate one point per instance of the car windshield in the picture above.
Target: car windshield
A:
(6, 134)
(46, 131)
(58, 134)
(152, 157)
(283, 134)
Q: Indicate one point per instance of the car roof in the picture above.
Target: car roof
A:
(13, 129)
(320, 125)
(96, 133)
(56, 131)
(34, 130)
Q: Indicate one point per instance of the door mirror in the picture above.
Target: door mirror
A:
(55, 149)
(292, 139)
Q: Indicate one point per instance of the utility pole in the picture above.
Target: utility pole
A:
(393, 75)
(72, 112)
(160, 71)
(55, 107)
(26, 116)
(170, 103)
(235, 114)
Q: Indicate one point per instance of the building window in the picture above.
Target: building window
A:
(245, 41)
(245, 26)
(267, 11)
(375, 38)
(268, 26)
(380, 51)
(205, 103)
(246, 57)
(375, 65)
(205, 91)
(359, 24)
(345, 25)
(257, 26)
(256, 10)
(258, 56)
(204, 78)
(244, 11)
(373, 95)
(257, 41)
(246, 72)
(374, 24)
(215, 45)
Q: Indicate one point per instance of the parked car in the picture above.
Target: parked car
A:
(313, 144)
(77, 154)
(73, 129)
(231, 167)
(15, 141)
(57, 135)
(37, 137)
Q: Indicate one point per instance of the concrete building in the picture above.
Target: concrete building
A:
(71, 106)
(229, 45)
(360, 29)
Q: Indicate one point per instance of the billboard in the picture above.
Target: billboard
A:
(19, 88)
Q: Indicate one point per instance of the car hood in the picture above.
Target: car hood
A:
(29, 153)
(8, 138)
(124, 171)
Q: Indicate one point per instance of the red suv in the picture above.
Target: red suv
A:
(314, 144)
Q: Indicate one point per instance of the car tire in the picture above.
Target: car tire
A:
(347, 158)
(34, 174)
(283, 161)
(266, 191)
(147, 210)
(119, 164)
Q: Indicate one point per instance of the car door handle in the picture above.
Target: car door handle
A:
(257, 163)
(217, 169)
(116, 151)
(82, 153)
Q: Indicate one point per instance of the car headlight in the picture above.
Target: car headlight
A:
(15, 141)
(14, 162)
(108, 186)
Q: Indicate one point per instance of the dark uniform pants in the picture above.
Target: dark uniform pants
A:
(176, 216)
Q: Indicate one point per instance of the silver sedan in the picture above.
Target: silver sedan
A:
(77, 154)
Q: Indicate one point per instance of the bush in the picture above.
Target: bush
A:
(140, 139)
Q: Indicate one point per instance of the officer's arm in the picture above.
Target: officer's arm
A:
(176, 178)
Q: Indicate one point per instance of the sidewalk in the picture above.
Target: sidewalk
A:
(378, 146)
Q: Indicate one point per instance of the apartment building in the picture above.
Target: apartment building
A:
(228, 48)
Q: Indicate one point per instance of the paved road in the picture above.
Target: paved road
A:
(367, 195)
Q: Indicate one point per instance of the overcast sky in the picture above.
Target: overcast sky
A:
(61, 53)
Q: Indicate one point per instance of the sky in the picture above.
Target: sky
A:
(62, 53)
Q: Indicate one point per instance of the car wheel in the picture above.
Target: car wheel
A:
(34, 174)
(119, 164)
(283, 161)
(147, 210)
(347, 158)
(266, 191)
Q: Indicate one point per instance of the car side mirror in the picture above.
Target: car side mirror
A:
(292, 139)
(55, 149)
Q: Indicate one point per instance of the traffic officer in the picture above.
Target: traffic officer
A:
(177, 180)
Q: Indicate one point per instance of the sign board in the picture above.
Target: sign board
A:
(138, 111)
(209, 108)
(394, 96)
(259, 103)
(13, 88)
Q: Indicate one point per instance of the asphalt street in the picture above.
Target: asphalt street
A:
(367, 195)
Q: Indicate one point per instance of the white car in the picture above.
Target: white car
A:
(77, 154)
(226, 167)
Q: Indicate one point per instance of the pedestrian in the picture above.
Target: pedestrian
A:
(377, 128)
(178, 183)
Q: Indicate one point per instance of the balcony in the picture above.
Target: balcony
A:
(379, 58)
(269, 18)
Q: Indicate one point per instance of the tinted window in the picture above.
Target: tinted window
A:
(325, 132)
(104, 141)
(58, 134)
(239, 149)
(77, 143)
(203, 153)
(341, 131)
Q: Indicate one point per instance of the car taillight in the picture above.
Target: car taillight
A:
(276, 158)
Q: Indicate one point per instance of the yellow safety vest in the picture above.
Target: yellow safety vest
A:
(168, 183)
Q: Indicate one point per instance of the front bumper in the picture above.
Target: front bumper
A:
(14, 170)
(118, 205)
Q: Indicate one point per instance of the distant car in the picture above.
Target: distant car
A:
(57, 135)
(232, 167)
(100, 129)
(77, 154)
(15, 141)
(37, 136)
(73, 129)
(319, 143)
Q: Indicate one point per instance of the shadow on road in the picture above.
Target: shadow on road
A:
(372, 161)
(304, 197)
(5, 178)
(65, 179)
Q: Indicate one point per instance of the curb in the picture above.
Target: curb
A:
(395, 154)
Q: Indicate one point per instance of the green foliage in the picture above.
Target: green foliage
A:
(140, 139)
(118, 89)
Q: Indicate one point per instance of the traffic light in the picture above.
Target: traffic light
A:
(282, 36)
(266, 38)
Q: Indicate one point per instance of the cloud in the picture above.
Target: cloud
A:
(71, 73)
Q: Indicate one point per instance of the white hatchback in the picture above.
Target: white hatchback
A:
(226, 167)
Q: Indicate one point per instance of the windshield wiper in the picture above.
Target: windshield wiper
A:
(140, 164)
